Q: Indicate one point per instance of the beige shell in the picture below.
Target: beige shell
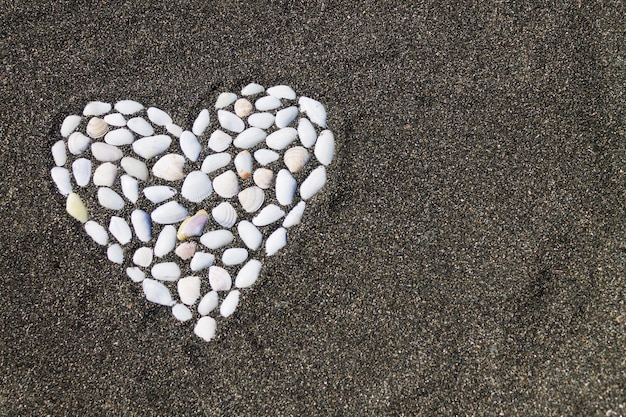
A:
(296, 158)
(226, 185)
(243, 107)
(251, 199)
(97, 127)
(169, 167)
(186, 250)
(263, 177)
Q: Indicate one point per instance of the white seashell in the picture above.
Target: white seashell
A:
(156, 292)
(81, 168)
(97, 232)
(282, 91)
(143, 257)
(225, 99)
(234, 256)
(196, 187)
(313, 183)
(142, 225)
(189, 289)
(151, 146)
(130, 188)
(159, 193)
(295, 158)
(140, 126)
(97, 127)
(219, 278)
(220, 141)
(306, 132)
(75, 207)
(201, 123)
(281, 138)
(285, 116)
(201, 260)
(229, 305)
(226, 184)
(230, 121)
(165, 242)
(216, 239)
(69, 125)
(120, 230)
(265, 156)
(119, 137)
(181, 312)
(128, 106)
(135, 168)
(285, 187)
(251, 199)
(110, 199)
(263, 177)
(248, 274)
(295, 215)
(104, 152)
(243, 107)
(225, 215)
(186, 250)
(115, 119)
(174, 129)
(243, 164)
(249, 234)
(251, 89)
(165, 271)
(214, 162)
(135, 274)
(193, 225)
(325, 147)
(205, 328)
(249, 138)
(190, 146)
(59, 154)
(158, 116)
(208, 303)
(61, 177)
(169, 167)
(115, 253)
(276, 241)
(104, 175)
(169, 213)
(267, 103)
(78, 143)
(268, 215)
(261, 120)
(314, 110)
(96, 108)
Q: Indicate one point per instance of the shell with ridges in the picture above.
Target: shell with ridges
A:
(143, 257)
(226, 184)
(97, 127)
(251, 199)
(170, 167)
(196, 187)
(225, 215)
(295, 158)
(263, 177)
(219, 278)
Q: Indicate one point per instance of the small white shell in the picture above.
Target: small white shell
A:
(208, 303)
(158, 116)
(249, 138)
(314, 110)
(186, 250)
(190, 146)
(120, 230)
(165, 271)
(142, 225)
(74, 205)
(115, 119)
(174, 129)
(156, 292)
(140, 126)
(282, 91)
(97, 127)
(169, 213)
(159, 193)
(135, 168)
(97, 232)
(96, 108)
(110, 199)
(193, 225)
(306, 132)
(313, 183)
(216, 239)
(135, 274)
(225, 99)
(128, 106)
(276, 241)
(263, 177)
(325, 147)
(61, 177)
(295, 215)
(219, 278)
(243, 107)
(248, 274)
(166, 241)
(261, 120)
(249, 234)
(143, 257)
(201, 123)
(105, 174)
(59, 154)
(170, 167)
(104, 152)
(251, 199)
(285, 116)
(115, 253)
(69, 125)
(225, 215)
(205, 328)
(295, 158)
(229, 304)
(226, 184)
(214, 162)
(267, 103)
(281, 138)
(81, 168)
(196, 187)
(251, 89)
(243, 164)
(234, 256)
(265, 156)
(220, 141)
(230, 121)
(188, 289)
(285, 187)
(268, 215)
(201, 260)
(151, 146)
(181, 312)
(119, 137)
(130, 188)
(78, 143)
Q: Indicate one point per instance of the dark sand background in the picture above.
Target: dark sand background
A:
(467, 258)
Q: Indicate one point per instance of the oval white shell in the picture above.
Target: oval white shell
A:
(142, 225)
(97, 232)
(205, 328)
(128, 106)
(263, 178)
(135, 168)
(105, 174)
(220, 141)
(243, 107)
(159, 193)
(267, 103)
(281, 138)
(225, 99)
(285, 187)
(115, 253)
(243, 164)
(166, 271)
(314, 110)
(96, 108)
(143, 257)
(196, 187)
(130, 188)
(249, 234)
(140, 126)
(193, 225)
(251, 89)
(216, 239)
(268, 215)
(120, 230)
(201, 123)
(104, 152)
(97, 127)
(110, 199)
(135, 274)
(226, 184)
(295, 215)
(169, 213)
(81, 168)
(325, 147)
(306, 132)
(174, 129)
(225, 215)
(265, 156)
(248, 274)
(59, 154)
(295, 158)
(234, 256)
(276, 241)
(201, 260)
(151, 146)
(181, 312)
(166, 241)
(78, 143)
(189, 289)
(230, 121)
(186, 250)
(282, 91)
(70, 123)
(115, 119)
(219, 278)
(229, 304)
(74, 205)
(156, 292)
(61, 177)
(169, 167)
(249, 138)
(251, 199)
(214, 162)
(313, 183)
(158, 116)
(119, 137)
(208, 303)
(285, 116)
(261, 120)
(190, 146)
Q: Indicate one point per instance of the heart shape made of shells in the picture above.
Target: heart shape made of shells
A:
(191, 214)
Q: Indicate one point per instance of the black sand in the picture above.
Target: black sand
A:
(467, 258)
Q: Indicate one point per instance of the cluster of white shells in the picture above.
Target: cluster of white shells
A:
(192, 213)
